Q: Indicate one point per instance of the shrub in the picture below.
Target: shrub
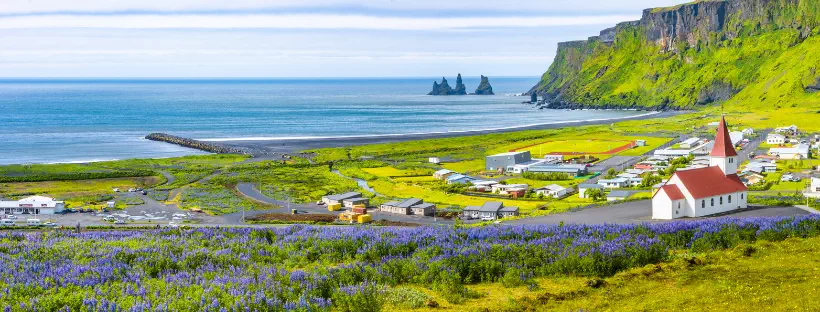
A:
(406, 297)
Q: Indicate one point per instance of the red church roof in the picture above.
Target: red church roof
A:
(709, 181)
(723, 143)
(672, 191)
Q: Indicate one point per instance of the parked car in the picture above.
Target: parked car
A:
(119, 222)
(144, 192)
(320, 203)
(12, 217)
(173, 224)
(7, 222)
(33, 222)
(131, 190)
(50, 224)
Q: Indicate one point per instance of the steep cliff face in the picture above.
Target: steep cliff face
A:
(484, 87)
(692, 54)
(441, 89)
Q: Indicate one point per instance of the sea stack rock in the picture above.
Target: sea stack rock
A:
(533, 98)
(484, 88)
(460, 88)
(441, 89)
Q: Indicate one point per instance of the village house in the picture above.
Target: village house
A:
(620, 182)
(502, 161)
(443, 174)
(761, 166)
(412, 206)
(524, 167)
(701, 147)
(507, 189)
(689, 143)
(748, 131)
(617, 195)
(814, 188)
(705, 191)
(775, 139)
(640, 142)
(34, 205)
(800, 151)
(489, 211)
(338, 198)
(790, 130)
(434, 160)
(552, 190)
(572, 170)
(584, 187)
(483, 186)
(356, 201)
(459, 179)
(751, 178)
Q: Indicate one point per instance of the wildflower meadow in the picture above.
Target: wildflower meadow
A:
(313, 268)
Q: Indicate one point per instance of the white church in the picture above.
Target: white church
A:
(704, 191)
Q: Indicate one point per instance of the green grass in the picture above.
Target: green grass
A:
(70, 189)
(765, 276)
(474, 165)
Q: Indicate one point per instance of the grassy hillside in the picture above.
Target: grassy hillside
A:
(753, 61)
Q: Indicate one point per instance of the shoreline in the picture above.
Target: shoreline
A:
(266, 145)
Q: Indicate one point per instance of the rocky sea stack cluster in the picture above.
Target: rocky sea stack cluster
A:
(444, 88)
(191, 143)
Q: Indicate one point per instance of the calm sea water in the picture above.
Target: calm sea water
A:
(79, 120)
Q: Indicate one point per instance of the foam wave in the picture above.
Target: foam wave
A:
(419, 133)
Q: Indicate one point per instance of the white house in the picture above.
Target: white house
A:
(788, 130)
(505, 189)
(814, 188)
(689, 143)
(617, 195)
(460, 179)
(775, 139)
(552, 190)
(705, 191)
(434, 160)
(483, 186)
(443, 174)
(32, 205)
(748, 131)
(582, 189)
(800, 151)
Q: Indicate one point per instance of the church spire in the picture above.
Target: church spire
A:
(723, 142)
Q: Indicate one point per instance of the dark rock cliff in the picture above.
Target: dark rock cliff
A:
(460, 88)
(585, 73)
(441, 89)
(484, 87)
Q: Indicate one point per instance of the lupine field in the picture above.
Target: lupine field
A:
(304, 268)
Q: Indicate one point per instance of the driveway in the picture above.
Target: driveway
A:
(641, 212)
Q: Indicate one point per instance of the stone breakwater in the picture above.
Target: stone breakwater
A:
(191, 143)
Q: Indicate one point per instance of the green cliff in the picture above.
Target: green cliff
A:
(740, 52)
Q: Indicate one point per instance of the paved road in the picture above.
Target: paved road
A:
(640, 212)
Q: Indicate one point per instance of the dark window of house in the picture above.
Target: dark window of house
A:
(703, 203)
(721, 200)
(713, 202)
(730, 199)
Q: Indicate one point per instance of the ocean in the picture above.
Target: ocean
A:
(83, 120)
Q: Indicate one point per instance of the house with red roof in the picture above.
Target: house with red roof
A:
(704, 191)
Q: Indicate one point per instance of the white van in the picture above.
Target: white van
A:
(7, 222)
(33, 222)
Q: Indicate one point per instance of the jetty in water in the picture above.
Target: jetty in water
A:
(195, 144)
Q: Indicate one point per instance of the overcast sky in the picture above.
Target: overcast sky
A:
(296, 38)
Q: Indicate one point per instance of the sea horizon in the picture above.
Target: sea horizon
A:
(85, 119)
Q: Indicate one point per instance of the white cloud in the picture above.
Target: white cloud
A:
(40, 6)
(295, 21)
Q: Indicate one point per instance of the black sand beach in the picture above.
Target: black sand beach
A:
(258, 147)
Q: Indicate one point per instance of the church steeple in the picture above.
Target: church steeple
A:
(723, 152)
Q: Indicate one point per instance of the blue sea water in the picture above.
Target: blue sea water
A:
(80, 120)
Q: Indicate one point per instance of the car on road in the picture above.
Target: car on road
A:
(50, 224)
(119, 222)
(144, 192)
(7, 222)
(173, 224)
(131, 190)
(320, 203)
(12, 217)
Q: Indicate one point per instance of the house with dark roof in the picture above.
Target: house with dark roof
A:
(489, 211)
(412, 206)
(704, 191)
(339, 198)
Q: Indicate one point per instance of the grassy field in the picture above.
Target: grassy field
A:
(765, 276)
(78, 192)
(474, 165)
(586, 146)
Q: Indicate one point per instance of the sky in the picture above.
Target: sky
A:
(296, 38)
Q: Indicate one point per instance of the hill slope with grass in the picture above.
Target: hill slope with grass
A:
(755, 53)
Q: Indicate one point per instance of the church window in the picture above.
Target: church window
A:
(713, 202)
(721, 200)
(730, 199)
(741, 195)
(703, 203)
